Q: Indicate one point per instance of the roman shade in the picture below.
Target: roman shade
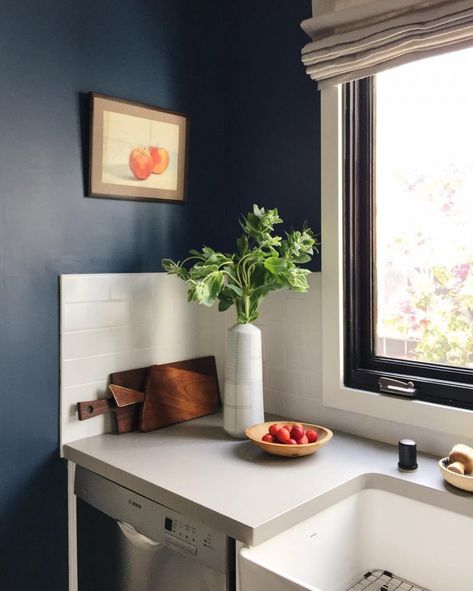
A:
(353, 39)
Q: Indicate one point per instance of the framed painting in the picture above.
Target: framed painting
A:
(137, 151)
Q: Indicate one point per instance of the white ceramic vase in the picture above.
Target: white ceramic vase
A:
(243, 394)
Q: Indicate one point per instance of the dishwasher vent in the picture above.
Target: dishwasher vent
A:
(382, 580)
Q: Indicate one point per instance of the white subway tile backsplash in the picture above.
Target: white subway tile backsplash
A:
(167, 284)
(312, 388)
(301, 409)
(74, 316)
(274, 330)
(275, 403)
(301, 359)
(141, 311)
(88, 343)
(274, 353)
(85, 288)
(111, 313)
(84, 370)
(73, 394)
(90, 315)
(74, 428)
(312, 334)
(116, 322)
(273, 307)
(298, 310)
(135, 286)
(294, 333)
(292, 351)
(283, 380)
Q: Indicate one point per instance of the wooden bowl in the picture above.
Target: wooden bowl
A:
(256, 432)
(457, 480)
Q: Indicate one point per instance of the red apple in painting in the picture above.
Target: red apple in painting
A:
(140, 163)
(160, 159)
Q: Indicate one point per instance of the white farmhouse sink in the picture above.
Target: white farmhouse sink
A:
(372, 528)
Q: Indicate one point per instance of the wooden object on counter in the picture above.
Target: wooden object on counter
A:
(125, 396)
(94, 408)
(135, 379)
(183, 390)
(457, 467)
(256, 432)
(127, 417)
(462, 481)
(180, 391)
(204, 365)
(463, 454)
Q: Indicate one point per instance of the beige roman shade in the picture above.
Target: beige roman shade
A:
(353, 39)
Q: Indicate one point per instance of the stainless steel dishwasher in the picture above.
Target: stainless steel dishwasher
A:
(127, 542)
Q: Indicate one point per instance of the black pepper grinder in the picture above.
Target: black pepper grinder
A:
(407, 455)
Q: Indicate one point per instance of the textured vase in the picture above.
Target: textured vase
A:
(243, 395)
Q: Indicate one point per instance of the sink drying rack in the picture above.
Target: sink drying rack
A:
(383, 580)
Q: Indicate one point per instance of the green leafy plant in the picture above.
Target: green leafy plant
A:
(263, 262)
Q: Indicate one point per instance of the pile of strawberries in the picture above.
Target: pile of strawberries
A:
(294, 434)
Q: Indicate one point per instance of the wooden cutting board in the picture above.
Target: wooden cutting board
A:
(127, 417)
(125, 396)
(178, 392)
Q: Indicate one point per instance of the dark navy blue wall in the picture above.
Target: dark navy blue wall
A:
(272, 147)
(166, 53)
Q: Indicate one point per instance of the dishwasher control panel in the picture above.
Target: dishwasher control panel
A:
(162, 524)
(193, 538)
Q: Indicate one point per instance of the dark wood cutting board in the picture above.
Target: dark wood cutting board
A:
(125, 385)
(125, 396)
(127, 417)
(128, 413)
(178, 392)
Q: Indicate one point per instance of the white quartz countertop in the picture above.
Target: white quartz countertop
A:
(235, 487)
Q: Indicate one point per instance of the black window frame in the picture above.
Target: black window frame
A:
(440, 384)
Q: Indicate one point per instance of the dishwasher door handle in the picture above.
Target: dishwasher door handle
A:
(136, 537)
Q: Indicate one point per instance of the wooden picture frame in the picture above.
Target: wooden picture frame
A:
(137, 151)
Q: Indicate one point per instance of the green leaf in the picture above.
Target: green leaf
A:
(215, 283)
(257, 211)
(236, 290)
(224, 304)
(297, 279)
(169, 266)
(205, 291)
(242, 244)
(207, 251)
(301, 258)
(175, 269)
(276, 265)
(202, 270)
(263, 262)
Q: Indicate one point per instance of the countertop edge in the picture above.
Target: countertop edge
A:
(257, 533)
(234, 529)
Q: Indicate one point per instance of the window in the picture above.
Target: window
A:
(409, 231)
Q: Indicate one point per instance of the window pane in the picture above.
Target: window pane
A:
(424, 211)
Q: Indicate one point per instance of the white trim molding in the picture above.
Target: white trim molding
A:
(439, 419)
